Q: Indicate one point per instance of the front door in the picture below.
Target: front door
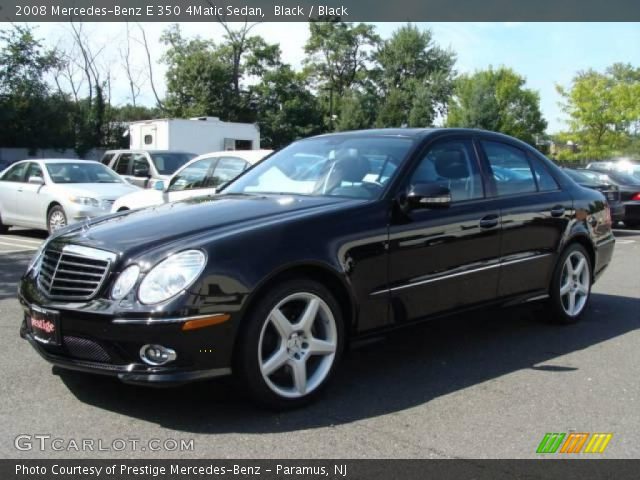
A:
(33, 198)
(445, 258)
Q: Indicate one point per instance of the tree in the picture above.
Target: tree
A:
(415, 78)
(29, 116)
(338, 54)
(603, 110)
(286, 110)
(497, 100)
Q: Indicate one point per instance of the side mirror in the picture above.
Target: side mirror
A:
(36, 180)
(428, 195)
(159, 185)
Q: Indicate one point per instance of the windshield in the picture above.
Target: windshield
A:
(87, 172)
(167, 163)
(341, 166)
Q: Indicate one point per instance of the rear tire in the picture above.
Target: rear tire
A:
(571, 285)
(290, 345)
(56, 219)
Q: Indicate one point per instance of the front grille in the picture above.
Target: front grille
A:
(86, 349)
(73, 273)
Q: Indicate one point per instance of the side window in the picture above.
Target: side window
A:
(451, 164)
(546, 183)
(106, 158)
(122, 164)
(192, 177)
(33, 170)
(227, 169)
(140, 166)
(15, 173)
(511, 170)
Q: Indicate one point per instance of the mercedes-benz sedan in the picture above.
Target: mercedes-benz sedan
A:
(331, 239)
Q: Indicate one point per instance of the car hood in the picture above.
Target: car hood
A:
(140, 199)
(138, 231)
(101, 191)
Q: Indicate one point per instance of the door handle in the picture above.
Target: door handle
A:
(557, 211)
(490, 221)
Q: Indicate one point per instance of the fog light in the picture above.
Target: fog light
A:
(157, 355)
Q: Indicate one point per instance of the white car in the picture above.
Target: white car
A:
(49, 194)
(199, 177)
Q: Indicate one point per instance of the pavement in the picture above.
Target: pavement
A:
(484, 385)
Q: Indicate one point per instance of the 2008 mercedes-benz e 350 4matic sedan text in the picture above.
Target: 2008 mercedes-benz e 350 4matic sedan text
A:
(332, 238)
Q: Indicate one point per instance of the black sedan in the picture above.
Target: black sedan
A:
(591, 179)
(272, 279)
(629, 186)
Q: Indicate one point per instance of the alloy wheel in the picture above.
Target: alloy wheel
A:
(298, 345)
(574, 283)
(57, 221)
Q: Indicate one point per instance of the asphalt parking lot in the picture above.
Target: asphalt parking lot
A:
(486, 385)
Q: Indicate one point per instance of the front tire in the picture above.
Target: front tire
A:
(291, 344)
(56, 219)
(571, 285)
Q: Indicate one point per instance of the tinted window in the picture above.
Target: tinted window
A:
(167, 163)
(451, 164)
(106, 159)
(511, 170)
(15, 173)
(193, 176)
(140, 166)
(546, 182)
(122, 165)
(227, 169)
(34, 170)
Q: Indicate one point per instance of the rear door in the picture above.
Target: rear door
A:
(535, 214)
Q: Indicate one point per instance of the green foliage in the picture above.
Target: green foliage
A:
(497, 100)
(604, 111)
(415, 76)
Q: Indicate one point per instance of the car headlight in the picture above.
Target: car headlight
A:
(87, 201)
(125, 282)
(171, 276)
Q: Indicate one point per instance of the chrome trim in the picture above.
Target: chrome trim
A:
(161, 321)
(90, 253)
(458, 274)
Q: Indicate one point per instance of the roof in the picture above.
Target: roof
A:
(251, 156)
(57, 160)
(407, 132)
(144, 150)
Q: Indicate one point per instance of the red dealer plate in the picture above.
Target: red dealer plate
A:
(45, 325)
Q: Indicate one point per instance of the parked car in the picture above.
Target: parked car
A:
(628, 181)
(273, 277)
(200, 176)
(49, 194)
(588, 179)
(145, 167)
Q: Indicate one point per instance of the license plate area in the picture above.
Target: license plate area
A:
(44, 325)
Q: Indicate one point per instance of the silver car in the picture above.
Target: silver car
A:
(48, 194)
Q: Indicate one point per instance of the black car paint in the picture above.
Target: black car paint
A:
(388, 267)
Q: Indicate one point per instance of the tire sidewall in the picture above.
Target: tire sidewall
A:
(559, 315)
(247, 364)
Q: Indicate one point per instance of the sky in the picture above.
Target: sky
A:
(546, 54)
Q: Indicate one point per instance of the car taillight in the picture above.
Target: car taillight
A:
(636, 196)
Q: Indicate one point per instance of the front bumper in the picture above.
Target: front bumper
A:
(136, 374)
(79, 213)
(98, 337)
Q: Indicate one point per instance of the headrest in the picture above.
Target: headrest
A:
(451, 164)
